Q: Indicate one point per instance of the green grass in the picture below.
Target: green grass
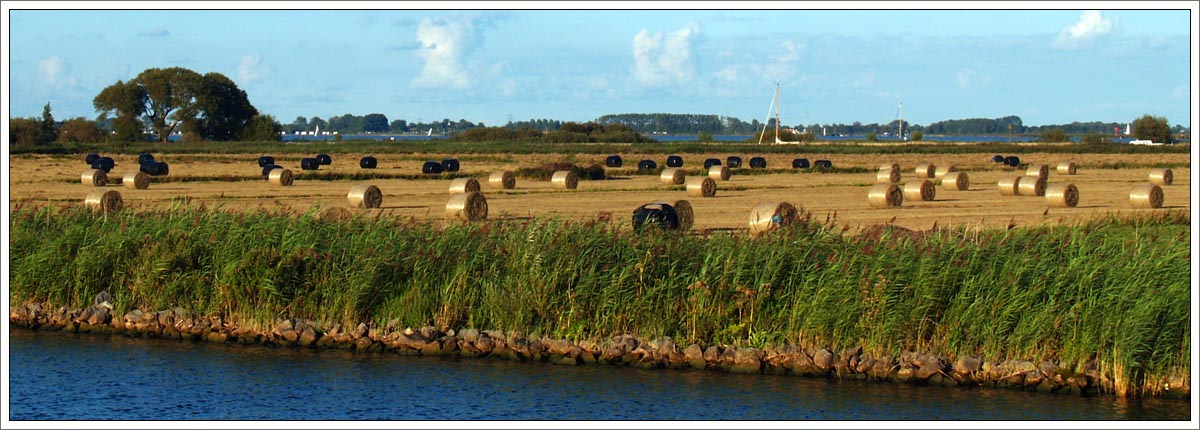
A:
(1115, 291)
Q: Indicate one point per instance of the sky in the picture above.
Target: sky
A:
(418, 62)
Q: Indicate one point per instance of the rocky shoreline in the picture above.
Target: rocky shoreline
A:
(622, 350)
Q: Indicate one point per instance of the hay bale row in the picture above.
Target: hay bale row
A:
(1008, 186)
(1038, 170)
(1031, 186)
(708, 163)
(468, 206)
(265, 161)
(922, 190)
(733, 161)
(431, 167)
(1062, 195)
(885, 196)
(503, 179)
(800, 163)
(701, 186)
(647, 165)
(613, 161)
(768, 216)
(720, 173)
(957, 181)
(365, 196)
(310, 164)
(888, 174)
(758, 163)
(103, 163)
(1146, 196)
(657, 214)
(942, 171)
(104, 201)
(368, 162)
(565, 179)
(674, 161)
(324, 159)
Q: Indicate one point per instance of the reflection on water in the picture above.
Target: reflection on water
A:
(62, 376)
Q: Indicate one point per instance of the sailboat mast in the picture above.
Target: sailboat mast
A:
(902, 121)
(777, 112)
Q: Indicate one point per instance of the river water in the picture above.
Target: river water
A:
(66, 376)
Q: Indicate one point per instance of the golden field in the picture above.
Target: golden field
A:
(234, 182)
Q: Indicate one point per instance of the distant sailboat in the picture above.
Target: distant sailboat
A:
(317, 132)
(430, 132)
(1126, 129)
(775, 105)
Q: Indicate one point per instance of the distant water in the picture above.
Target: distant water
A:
(65, 376)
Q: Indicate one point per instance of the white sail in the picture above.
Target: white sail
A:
(430, 132)
(1126, 129)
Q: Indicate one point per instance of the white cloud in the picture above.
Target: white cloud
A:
(964, 78)
(664, 59)
(1090, 26)
(444, 44)
(1181, 92)
(252, 68)
(56, 72)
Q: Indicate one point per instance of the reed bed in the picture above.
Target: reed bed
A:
(1112, 292)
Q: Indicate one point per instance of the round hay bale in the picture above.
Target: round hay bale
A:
(671, 176)
(720, 173)
(768, 216)
(888, 174)
(324, 159)
(1008, 186)
(265, 161)
(135, 180)
(1031, 186)
(657, 214)
(1062, 195)
(310, 163)
(1066, 168)
(431, 168)
(942, 171)
(701, 186)
(335, 213)
(469, 206)
(1162, 177)
(733, 162)
(957, 181)
(268, 168)
(823, 164)
(104, 201)
(613, 161)
(94, 177)
(145, 157)
(687, 217)
(674, 161)
(368, 162)
(885, 196)
(998, 159)
(90, 158)
(281, 177)
(104, 163)
(450, 165)
(1012, 161)
(758, 163)
(1039, 170)
(1146, 196)
(464, 185)
(365, 196)
(919, 190)
(565, 179)
(647, 165)
(709, 162)
(503, 179)
(926, 171)
(800, 163)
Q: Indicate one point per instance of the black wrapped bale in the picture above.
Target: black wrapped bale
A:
(1012, 161)
(324, 159)
(613, 161)
(998, 159)
(450, 165)
(800, 163)
(758, 163)
(655, 215)
(431, 168)
(103, 163)
(733, 161)
(674, 161)
(265, 161)
(310, 163)
(91, 158)
(709, 162)
(823, 164)
(268, 168)
(368, 162)
(647, 165)
(155, 168)
(145, 157)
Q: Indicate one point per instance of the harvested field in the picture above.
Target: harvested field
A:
(234, 182)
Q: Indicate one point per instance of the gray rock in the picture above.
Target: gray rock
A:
(823, 359)
(308, 336)
(747, 360)
(967, 365)
(695, 356)
(470, 335)
(99, 316)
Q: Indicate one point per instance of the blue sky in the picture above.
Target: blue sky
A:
(834, 66)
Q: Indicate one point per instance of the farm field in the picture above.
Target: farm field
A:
(234, 182)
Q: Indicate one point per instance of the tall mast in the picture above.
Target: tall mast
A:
(777, 139)
(901, 121)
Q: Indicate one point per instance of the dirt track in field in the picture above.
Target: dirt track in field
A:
(1103, 180)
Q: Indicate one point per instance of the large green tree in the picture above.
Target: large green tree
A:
(47, 129)
(222, 109)
(128, 101)
(210, 107)
(1152, 128)
(375, 123)
(172, 94)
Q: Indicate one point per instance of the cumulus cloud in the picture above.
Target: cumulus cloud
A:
(781, 67)
(1090, 26)
(444, 45)
(54, 71)
(660, 59)
(252, 68)
(154, 32)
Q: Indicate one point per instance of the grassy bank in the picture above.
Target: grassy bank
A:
(1114, 291)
